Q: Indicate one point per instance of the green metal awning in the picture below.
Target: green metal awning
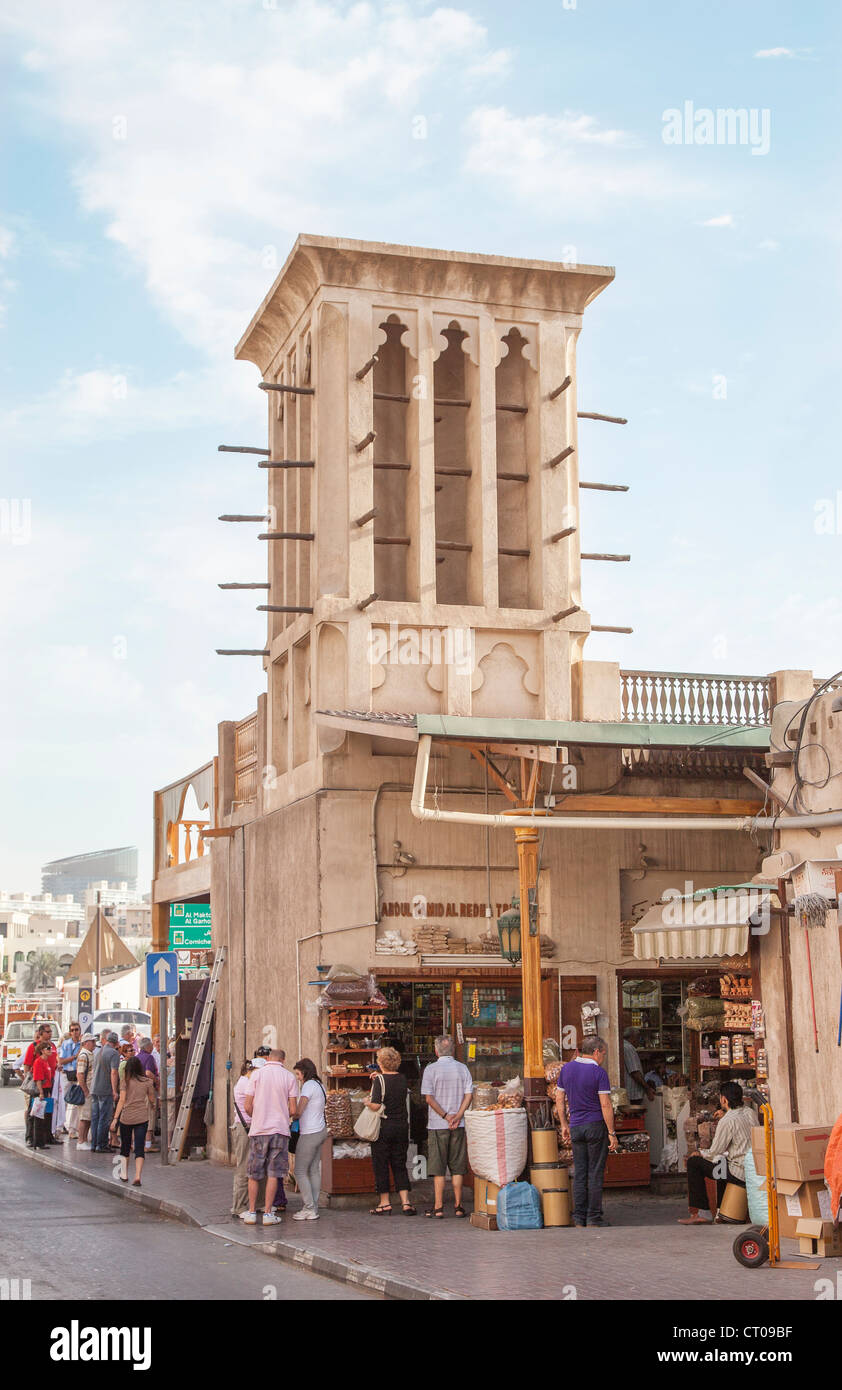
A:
(598, 733)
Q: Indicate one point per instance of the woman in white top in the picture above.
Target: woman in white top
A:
(312, 1132)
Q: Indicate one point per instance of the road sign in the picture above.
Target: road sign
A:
(86, 1016)
(190, 926)
(161, 974)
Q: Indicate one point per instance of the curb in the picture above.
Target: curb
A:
(331, 1266)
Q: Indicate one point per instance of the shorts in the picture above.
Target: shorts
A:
(268, 1156)
(446, 1148)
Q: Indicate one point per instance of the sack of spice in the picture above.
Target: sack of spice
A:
(551, 1071)
(338, 1115)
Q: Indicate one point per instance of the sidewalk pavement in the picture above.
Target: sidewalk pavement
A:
(643, 1255)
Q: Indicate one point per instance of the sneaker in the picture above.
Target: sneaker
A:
(302, 1215)
(83, 1146)
(249, 1217)
(272, 1220)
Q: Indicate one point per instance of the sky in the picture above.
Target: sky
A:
(158, 161)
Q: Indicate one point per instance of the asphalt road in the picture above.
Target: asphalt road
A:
(55, 1228)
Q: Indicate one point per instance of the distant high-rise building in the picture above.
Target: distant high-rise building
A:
(78, 871)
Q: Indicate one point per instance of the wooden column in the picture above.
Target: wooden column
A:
(534, 1085)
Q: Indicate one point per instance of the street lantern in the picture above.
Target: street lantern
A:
(508, 929)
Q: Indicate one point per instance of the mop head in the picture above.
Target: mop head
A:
(812, 909)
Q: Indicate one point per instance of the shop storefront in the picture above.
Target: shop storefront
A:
(481, 1008)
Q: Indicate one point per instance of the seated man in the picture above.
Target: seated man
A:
(725, 1159)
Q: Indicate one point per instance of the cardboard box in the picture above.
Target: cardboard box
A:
(483, 1221)
(485, 1196)
(799, 1151)
(816, 1237)
(801, 1201)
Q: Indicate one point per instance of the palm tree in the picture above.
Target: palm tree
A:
(40, 970)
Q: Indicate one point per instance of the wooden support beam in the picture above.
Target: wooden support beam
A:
(287, 463)
(364, 443)
(366, 368)
(659, 805)
(446, 400)
(609, 419)
(605, 487)
(218, 832)
(515, 409)
(240, 449)
(281, 608)
(454, 545)
(559, 458)
(287, 536)
(565, 613)
(560, 535)
(243, 586)
(774, 796)
(478, 752)
(513, 477)
(512, 550)
(366, 602)
(242, 651)
(558, 390)
(779, 758)
(597, 556)
(453, 472)
(398, 467)
(233, 516)
(391, 540)
(366, 516)
(387, 396)
(602, 627)
(289, 390)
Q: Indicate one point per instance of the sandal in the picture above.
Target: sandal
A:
(409, 1210)
(459, 1211)
(380, 1211)
(437, 1212)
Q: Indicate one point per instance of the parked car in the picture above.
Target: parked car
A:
(115, 1019)
(16, 1040)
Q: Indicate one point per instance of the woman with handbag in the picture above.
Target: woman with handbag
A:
(132, 1115)
(312, 1132)
(389, 1106)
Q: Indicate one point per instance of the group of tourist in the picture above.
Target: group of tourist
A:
(279, 1128)
(88, 1089)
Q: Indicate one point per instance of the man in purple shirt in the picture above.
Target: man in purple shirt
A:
(583, 1102)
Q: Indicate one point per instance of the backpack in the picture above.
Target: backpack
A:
(519, 1208)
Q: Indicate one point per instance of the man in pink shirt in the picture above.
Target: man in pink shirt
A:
(269, 1098)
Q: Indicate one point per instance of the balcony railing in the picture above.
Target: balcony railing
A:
(178, 837)
(245, 760)
(692, 697)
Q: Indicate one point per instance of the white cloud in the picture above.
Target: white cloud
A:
(561, 161)
(725, 219)
(203, 166)
(782, 52)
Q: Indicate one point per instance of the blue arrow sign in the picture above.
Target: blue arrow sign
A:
(161, 974)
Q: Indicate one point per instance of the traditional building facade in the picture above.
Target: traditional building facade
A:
(424, 593)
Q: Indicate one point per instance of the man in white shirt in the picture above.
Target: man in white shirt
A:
(636, 1085)
(447, 1088)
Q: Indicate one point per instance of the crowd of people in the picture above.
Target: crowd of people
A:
(279, 1129)
(88, 1089)
(101, 1092)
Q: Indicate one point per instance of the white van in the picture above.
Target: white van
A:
(16, 1040)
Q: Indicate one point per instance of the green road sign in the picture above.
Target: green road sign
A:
(190, 926)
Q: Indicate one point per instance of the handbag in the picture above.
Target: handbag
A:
(367, 1125)
(29, 1086)
(294, 1132)
(38, 1109)
(75, 1095)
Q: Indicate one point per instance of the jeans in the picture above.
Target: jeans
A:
(308, 1168)
(102, 1111)
(590, 1150)
(698, 1169)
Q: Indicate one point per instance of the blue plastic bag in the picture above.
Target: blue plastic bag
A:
(519, 1208)
(758, 1201)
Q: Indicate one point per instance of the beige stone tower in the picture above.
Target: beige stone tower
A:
(423, 479)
